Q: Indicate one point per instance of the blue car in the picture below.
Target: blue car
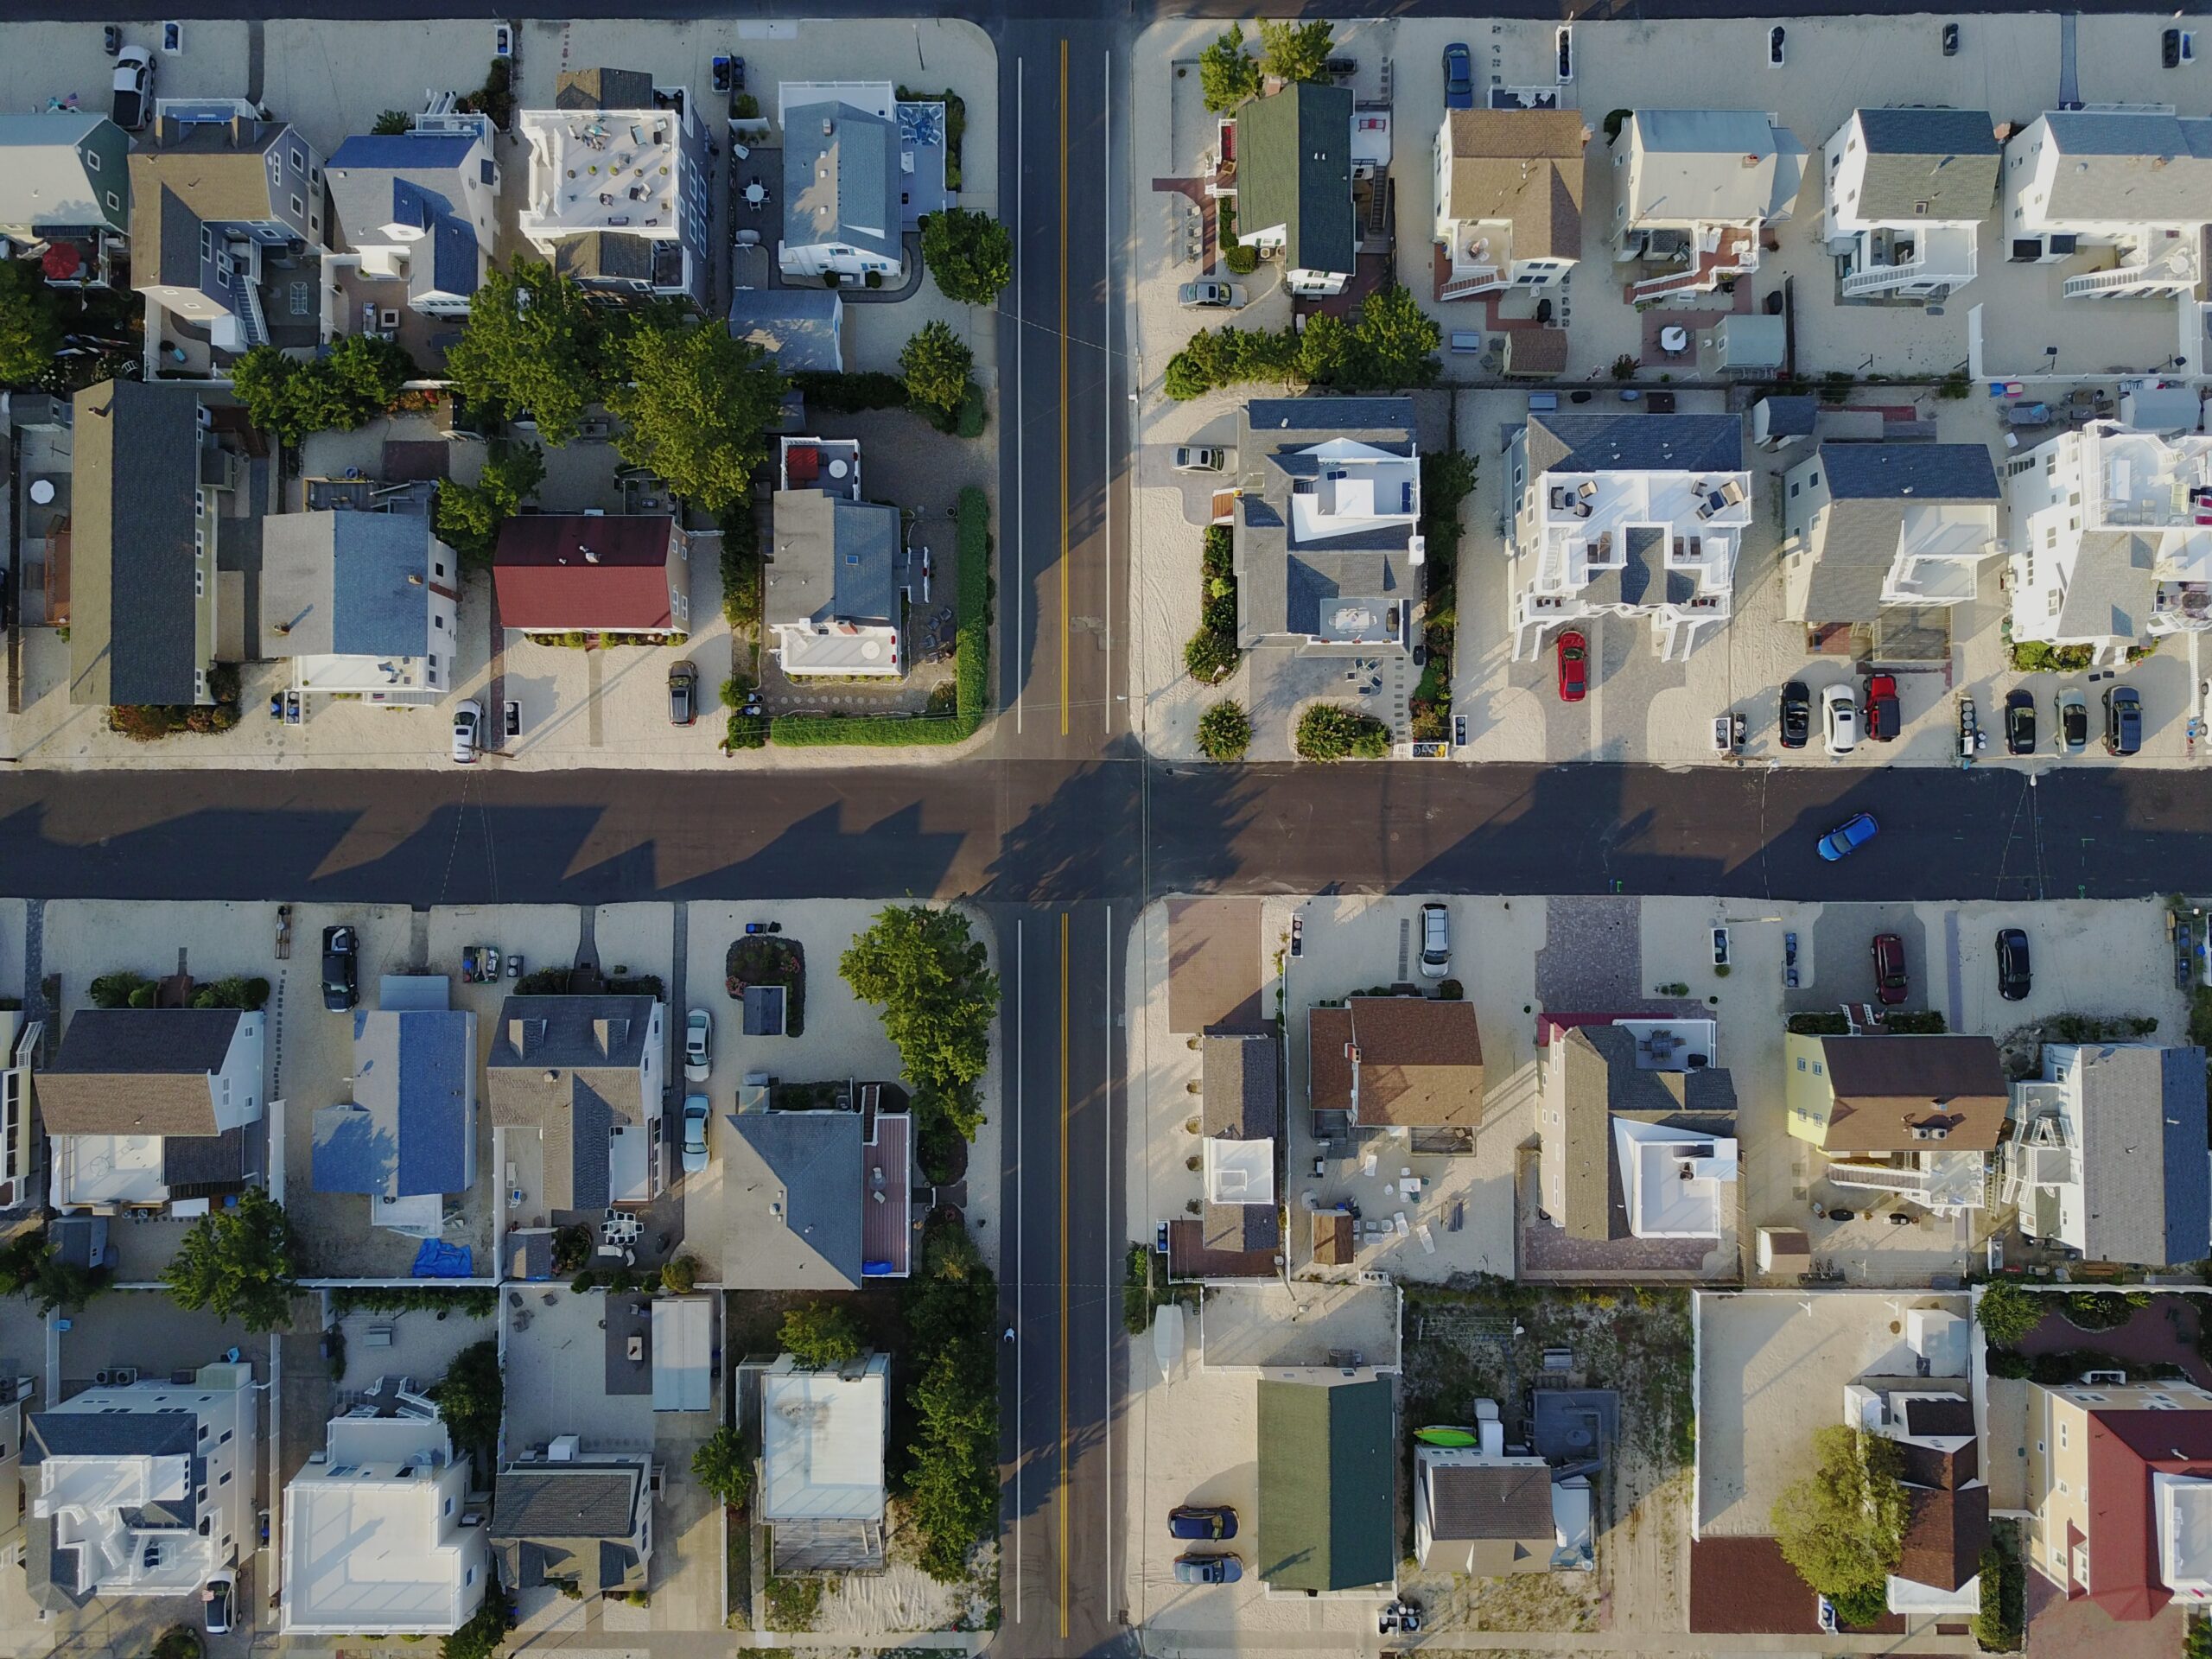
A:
(1458, 77)
(1847, 837)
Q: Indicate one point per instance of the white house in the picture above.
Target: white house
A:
(832, 580)
(377, 1536)
(21, 1041)
(2111, 535)
(137, 1488)
(365, 604)
(1626, 515)
(841, 176)
(1508, 199)
(2134, 186)
(1869, 525)
(822, 1441)
(1692, 190)
(1907, 191)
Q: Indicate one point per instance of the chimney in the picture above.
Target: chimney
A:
(828, 127)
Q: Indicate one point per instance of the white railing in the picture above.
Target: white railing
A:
(1475, 281)
(1878, 1177)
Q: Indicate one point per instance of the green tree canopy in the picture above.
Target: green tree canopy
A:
(1396, 341)
(2006, 1312)
(1296, 51)
(928, 973)
(821, 1335)
(936, 364)
(1329, 731)
(1227, 73)
(970, 254)
(486, 1633)
(390, 122)
(1842, 1527)
(237, 1263)
(720, 1465)
(695, 406)
(360, 378)
(472, 1395)
(30, 329)
(467, 517)
(954, 1489)
(535, 342)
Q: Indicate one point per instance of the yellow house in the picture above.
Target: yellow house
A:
(1914, 1117)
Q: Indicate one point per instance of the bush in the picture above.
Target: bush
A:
(741, 562)
(583, 1282)
(1625, 367)
(2007, 1313)
(680, 1276)
(477, 1300)
(1924, 1022)
(1240, 258)
(2034, 656)
(2095, 1309)
(1861, 1605)
(821, 1335)
(1209, 658)
(1451, 991)
(1225, 732)
(720, 1465)
(2000, 1625)
(1819, 1025)
(850, 394)
(114, 990)
(1329, 731)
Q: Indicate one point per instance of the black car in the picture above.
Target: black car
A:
(2019, 723)
(1796, 715)
(2013, 978)
(683, 694)
(1213, 1522)
(2123, 720)
(341, 968)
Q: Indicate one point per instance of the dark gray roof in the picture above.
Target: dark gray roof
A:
(1919, 472)
(339, 583)
(571, 1068)
(1939, 1417)
(1602, 1079)
(1872, 486)
(1791, 418)
(569, 1515)
(136, 1071)
(2147, 1180)
(1294, 168)
(1929, 164)
(840, 179)
(603, 89)
(1487, 1501)
(112, 1434)
(798, 327)
(792, 1201)
(202, 1166)
(1571, 442)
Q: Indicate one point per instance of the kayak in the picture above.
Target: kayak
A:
(1446, 1435)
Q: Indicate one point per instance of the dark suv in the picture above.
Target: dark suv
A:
(2014, 979)
(1796, 715)
(341, 968)
(2123, 720)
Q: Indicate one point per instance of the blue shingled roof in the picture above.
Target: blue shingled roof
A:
(352, 1154)
(435, 1053)
(411, 150)
(454, 263)
(2187, 1172)
(408, 1130)
(375, 610)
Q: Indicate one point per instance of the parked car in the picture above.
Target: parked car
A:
(134, 88)
(1210, 294)
(2073, 721)
(1213, 1521)
(1840, 719)
(698, 1045)
(218, 1600)
(682, 693)
(1435, 940)
(2019, 723)
(695, 1113)
(1200, 458)
(1848, 836)
(2014, 978)
(1574, 666)
(2123, 720)
(1890, 985)
(341, 964)
(1796, 715)
(1883, 718)
(1208, 1569)
(1458, 77)
(468, 730)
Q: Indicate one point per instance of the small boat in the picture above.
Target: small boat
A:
(1168, 1338)
(1445, 1434)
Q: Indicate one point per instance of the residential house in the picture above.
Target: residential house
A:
(407, 1137)
(613, 573)
(149, 1107)
(151, 487)
(23, 1044)
(2112, 538)
(15, 1394)
(1778, 421)
(1326, 1491)
(803, 328)
(815, 1200)
(365, 604)
(64, 193)
(136, 1488)
(563, 1516)
(1930, 1421)
(618, 192)
(1398, 1063)
(823, 1435)
(1692, 192)
(1917, 1118)
(2130, 188)
(1240, 1117)
(2107, 1157)
(1509, 200)
(2120, 1490)
(1293, 193)
(1327, 541)
(419, 211)
(583, 1076)
(842, 182)
(832, 580)
(1481, 1511)
(215, 198)
(1907, 191)
(1626, 515)
(1637, 1128)
(1870, 526)
(379, 1536)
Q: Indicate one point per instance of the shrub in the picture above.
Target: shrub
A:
(2006, 1312)
(485, 1632)
(1998, 1626)
(114, 990)
(1861, 1604)
(1451, 991)
(680, 1276)
(1225, 732)
(1924, 1022)
(1625, 367)
(850, 394)
(1241, 259)
(1208, 657)
(720, 1465)
(2095, 1309)
(1329, 731)
(584, 1281)
(821, 1335)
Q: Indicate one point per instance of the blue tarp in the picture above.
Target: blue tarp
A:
(439, 1260)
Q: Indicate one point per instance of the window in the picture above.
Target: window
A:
(299, 159)
(207, 242)
(448, 1509)
(2061, 1488)
(438, 621)
(114, 202)
(298, 206)
(225, 1481)
(1818, 1069)
(199, 584)
(437, 569)
(2082, 1563)
(469, 1578)
(1793, 491)
(2062, 1436)
(225, 1440)
(203, 1431)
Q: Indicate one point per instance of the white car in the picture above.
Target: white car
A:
(695, 1113)
(468, 730)
(698, 1045)
(1840, 718)
(1199, 458)
(1435, 940)
(1211, 295)
(217, 1601)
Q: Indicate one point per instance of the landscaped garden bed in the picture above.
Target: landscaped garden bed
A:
(770, 959)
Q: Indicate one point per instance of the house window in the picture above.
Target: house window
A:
(448, 1506)
(2061, 1488)
(207, 242)
(2062, 1436)
(226, 1438)
(1815, 480)
(1818, 1069)
(225, 1481)
(2082, 1563)
(469, 1578)
(298, 206)
(438, 621)
(1801, 1064)
(1793, 491)
(114, 202)
(199, 584)
(437, 569)
(315, 175)
(299, 159)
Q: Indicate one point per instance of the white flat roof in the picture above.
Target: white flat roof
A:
(682, 1337)
(1240, 1171)
(873, 97)
(359, 1555)
(822, 1445)
(601, 169)
(1675, 1182)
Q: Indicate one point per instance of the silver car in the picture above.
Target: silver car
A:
(1226, 296)
(698, 1045)
(2071, 728)
(1435, 940)
(1200, 458)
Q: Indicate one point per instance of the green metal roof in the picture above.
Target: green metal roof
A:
(1326, 1514)
(1294, 168)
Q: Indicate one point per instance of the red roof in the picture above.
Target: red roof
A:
(2125, 1448)
(559, 572)
(1742, 1586)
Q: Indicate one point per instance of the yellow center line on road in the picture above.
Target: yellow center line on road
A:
(1065, 623)
(1064, 1126)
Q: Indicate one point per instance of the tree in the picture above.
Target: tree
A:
(359, 379)
(487, 1629)
(954, 1489)
(391, 122)
(472, 1393)
(1329, 731)
(821, 1335)
(1842, 1527)
(1225, 732)
(695, 406)
(467, 517)
(533, 342)
(924, 966)
(237, 1262)
(262, 382)
(1209, 656)
(720, 1465)
(1397, 339)
(1227, 73)
(30, 332)
(936, 364)
(678, 1277)
(1294, 52)
(113, 990)
(2006, 1312)
(971, 255)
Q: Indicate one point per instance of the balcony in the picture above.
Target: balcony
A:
(1879, 1177)
(1722, 253)
(2171, 270)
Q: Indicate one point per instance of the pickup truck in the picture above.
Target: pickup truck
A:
(134, 88)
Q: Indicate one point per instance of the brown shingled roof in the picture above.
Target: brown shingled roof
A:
(1945, 1536)
(1887, 1086)
(1523, 165)
(1420, 1063)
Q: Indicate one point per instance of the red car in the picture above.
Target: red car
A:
(1891, 986)
(1574, 666)
(1883, 719)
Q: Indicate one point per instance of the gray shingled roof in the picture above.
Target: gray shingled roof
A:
(833, 561)
(338, 583)
(603, 89)
(1294, 168)
(2134, 166)
(2148, 1183)
(568, 1508)
(1922, 471)
(1948, 159)
(791, 1201)
(1871, 486)
(2111, 589)
(1572, 442)
(1490, 1501)
(1602, 1078)
(136, 1071)
(798, 327)
(577, 1072)
(840, 185)
(45, 179)
(1242, 1085)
